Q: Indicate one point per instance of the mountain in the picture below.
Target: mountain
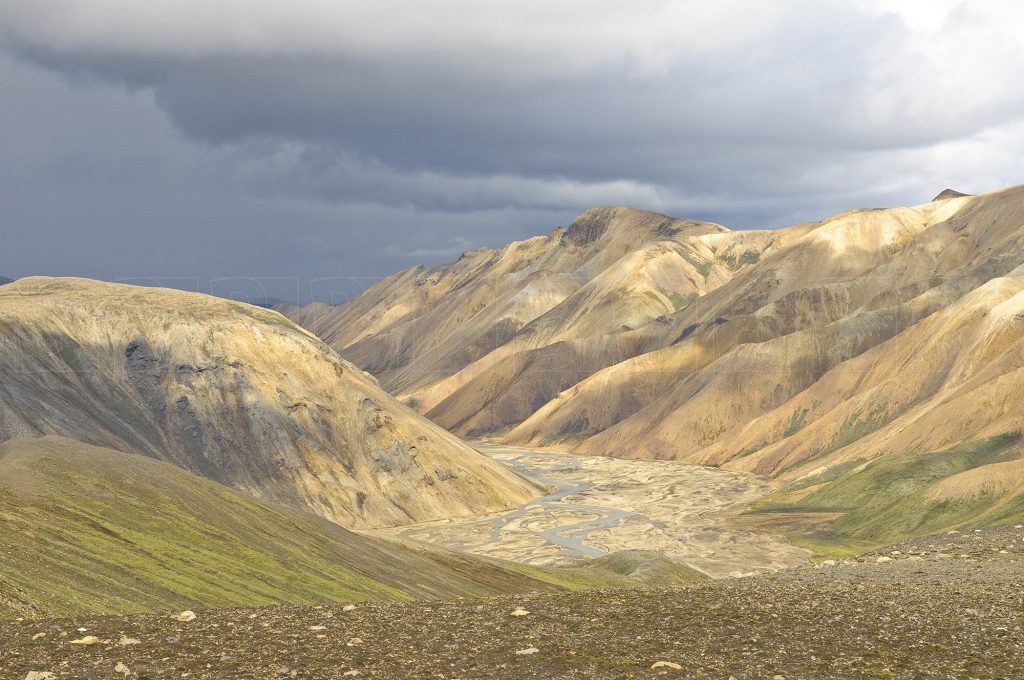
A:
(818, 354)
(480, 344)
(5, 280)
(234, 393)
(92, 530)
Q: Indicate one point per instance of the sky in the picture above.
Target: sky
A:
(304, 149)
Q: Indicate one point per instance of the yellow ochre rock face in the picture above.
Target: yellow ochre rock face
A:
(234, 393)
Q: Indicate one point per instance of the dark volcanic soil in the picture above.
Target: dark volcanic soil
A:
(949, 606)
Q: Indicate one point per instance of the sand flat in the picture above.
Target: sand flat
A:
(601, 505)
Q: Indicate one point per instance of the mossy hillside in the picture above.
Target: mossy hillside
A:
(84, 529)
(887, 500)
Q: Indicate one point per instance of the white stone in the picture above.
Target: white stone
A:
(87, 640)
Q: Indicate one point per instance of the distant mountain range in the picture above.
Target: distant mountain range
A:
(875, 348)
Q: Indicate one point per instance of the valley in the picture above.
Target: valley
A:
(868, 363)
(511, 340)
(600, 506)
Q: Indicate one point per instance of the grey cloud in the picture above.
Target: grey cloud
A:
(304, 146)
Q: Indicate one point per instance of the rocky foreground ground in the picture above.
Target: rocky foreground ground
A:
(946, 606)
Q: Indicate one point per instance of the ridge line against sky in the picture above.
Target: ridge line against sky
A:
(197, 141)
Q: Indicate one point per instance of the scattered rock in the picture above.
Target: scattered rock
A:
(520, 612)
(355, 642)
(348, 608)
(350, 674)
(318, 627)
(185, 616)
(122, 669)
(38, 635)
(527, 652)
(666, 664)
(883, 559)
(126, 641)
(39, 675)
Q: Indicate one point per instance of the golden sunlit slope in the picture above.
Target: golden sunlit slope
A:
(522, 323)
(234, 393)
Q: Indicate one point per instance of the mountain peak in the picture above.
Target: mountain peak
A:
(949, 193)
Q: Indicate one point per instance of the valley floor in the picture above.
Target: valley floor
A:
(945, 606)
(601, 505)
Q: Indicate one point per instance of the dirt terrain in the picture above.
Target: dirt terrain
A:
(944, 606)
(601, 505)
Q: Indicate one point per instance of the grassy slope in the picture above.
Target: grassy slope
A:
(887, 500)
(86, 529)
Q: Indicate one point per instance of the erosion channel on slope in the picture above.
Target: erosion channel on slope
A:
(600, 505)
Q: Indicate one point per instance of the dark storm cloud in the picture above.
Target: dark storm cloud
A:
(308, 140)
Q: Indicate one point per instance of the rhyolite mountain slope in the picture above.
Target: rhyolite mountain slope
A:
(481, 343)
(809, 353)
(91, 530)
(234, 393)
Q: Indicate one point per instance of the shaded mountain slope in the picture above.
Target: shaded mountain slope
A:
(86, 529)
(234, 393)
